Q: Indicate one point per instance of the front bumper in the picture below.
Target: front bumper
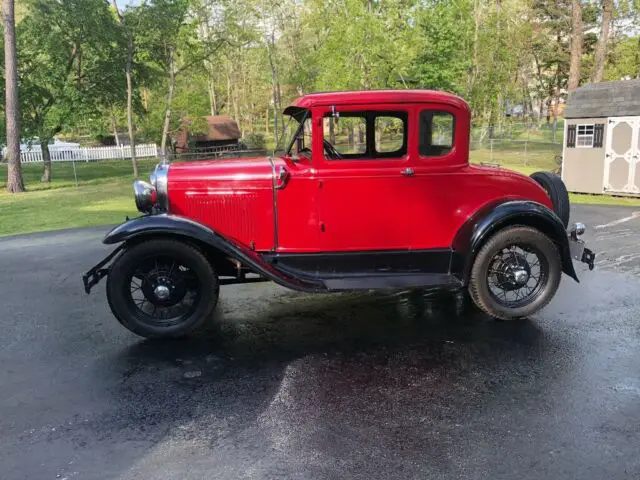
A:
(99, 271)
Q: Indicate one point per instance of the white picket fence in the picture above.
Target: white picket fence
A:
(77, 154)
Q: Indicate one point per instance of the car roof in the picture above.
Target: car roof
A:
(379, 96)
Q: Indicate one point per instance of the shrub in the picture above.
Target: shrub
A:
(254, 141)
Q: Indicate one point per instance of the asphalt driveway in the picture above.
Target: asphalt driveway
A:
(287, 385)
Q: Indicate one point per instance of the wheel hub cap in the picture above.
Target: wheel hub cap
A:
(521, 277)
(162, 292)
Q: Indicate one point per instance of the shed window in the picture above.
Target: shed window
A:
(585, 136)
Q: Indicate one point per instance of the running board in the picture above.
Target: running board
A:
(392, 281)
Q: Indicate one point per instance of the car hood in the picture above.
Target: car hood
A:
(241, 172)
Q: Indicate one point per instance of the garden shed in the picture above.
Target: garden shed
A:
(601, 152)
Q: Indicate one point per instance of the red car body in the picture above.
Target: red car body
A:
(397, 207)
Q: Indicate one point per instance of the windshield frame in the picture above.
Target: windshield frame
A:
(302, 115)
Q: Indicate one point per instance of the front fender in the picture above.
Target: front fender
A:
(498, 215)
(164, 224)
(152, 226)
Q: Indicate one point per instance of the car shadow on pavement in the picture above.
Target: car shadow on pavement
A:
(311, 373)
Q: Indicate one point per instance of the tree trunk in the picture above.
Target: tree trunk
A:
(236, 107)
(131, 127)
(274, 83)
(14, 177)
(212, 93)
(477, 8)
(128, 74)
(576, 45)
(167, 115)
(132, 135)
(603, 41)
(46, 159)
(114, 126)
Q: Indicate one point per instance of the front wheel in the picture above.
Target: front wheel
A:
(515, 274)
(162, 288)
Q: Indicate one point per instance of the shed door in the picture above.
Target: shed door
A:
(622, 155)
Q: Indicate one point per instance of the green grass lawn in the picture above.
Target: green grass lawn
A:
(88, 173)
(104, 196)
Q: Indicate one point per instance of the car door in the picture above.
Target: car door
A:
(364, 197)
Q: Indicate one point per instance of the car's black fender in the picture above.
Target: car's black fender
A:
(498, 215)
(165, 225)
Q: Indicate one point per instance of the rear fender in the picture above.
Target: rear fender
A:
(165, 225)
(498, 215)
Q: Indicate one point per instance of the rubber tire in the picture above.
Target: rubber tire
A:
(120, 271)
(557, 191)
(479, 289)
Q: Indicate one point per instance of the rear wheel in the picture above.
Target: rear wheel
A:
(162, 288)
(515, 274)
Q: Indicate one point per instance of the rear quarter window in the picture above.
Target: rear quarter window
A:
(437, 131)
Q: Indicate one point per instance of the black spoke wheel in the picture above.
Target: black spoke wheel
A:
(515, 274)
(162, 288)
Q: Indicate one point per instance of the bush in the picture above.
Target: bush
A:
(254, 141)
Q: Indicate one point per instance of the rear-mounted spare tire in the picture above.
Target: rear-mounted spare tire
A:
(555, 188)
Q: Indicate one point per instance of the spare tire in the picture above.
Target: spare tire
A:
(554, 186)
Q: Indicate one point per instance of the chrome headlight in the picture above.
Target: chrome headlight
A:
(159, 180)
(145, 196)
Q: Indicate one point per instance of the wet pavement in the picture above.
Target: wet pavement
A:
(287, 385)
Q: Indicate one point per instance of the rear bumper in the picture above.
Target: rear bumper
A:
(577, 247)
(581, 253)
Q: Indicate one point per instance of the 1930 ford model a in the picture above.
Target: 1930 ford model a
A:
(372, 190)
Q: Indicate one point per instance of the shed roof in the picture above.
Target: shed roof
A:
(605, 99)
(221, 127)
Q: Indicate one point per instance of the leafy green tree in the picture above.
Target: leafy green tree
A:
(446, 31)
(65, 52)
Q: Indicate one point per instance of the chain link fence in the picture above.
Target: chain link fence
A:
(519, 145)
(523, 146)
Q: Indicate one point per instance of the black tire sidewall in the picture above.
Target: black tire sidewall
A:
(118, 285)
(557, 191)
(478, 285)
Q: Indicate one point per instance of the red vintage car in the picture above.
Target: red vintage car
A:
(367, 190)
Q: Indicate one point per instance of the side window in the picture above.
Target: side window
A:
(347, 134)
(437, 131)
(365, 135)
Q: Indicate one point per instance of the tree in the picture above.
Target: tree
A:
(576, 45)
(603, 41)
(65, 48)
(625, 59)
(129, 35)
(15, 182)
(169, 32)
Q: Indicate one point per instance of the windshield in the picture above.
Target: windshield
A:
(292, 131)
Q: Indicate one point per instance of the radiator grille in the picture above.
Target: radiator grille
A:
(227, 214)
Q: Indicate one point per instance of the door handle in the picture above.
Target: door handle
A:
(408, 172)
